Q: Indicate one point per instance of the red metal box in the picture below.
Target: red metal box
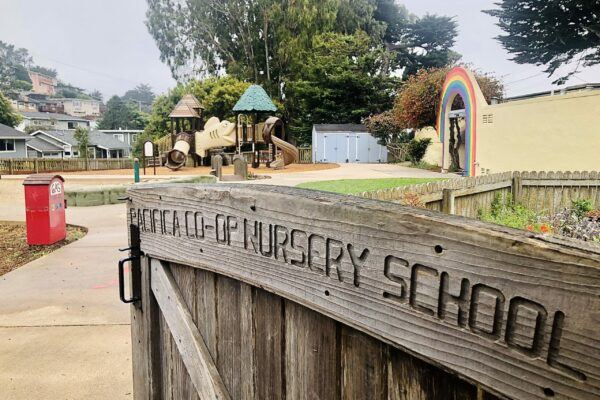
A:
(45, 209)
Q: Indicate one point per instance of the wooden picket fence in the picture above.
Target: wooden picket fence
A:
(539, 191)
(305, 155)
(17, 166)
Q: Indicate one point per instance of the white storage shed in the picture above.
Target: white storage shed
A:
(345, 143)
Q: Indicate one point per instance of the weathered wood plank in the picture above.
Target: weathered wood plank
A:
(413, 379)
(206, 312)
(185, 278)
(392, 271)
(269, 341)
(145, 339)
(364, 366)
(229, 340)
(190, 344)
(312, 355)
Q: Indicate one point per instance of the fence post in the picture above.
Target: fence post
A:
(10, 167)
(448, 201)
(516, 188)
(35, 165)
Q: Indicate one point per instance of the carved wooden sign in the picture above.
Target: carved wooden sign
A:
(515, 313)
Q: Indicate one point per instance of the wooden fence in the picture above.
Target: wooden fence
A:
(539, 191)
(305, 155)
(263, 292)
(17, 166)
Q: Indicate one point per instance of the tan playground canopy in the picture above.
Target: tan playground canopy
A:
(188, 106)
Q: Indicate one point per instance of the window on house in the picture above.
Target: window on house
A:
(134, 138)
(77, 104)
(7, 144)
(71, 125)
(119, 136)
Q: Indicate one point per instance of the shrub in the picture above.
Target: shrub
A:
(506, 212)
(417, 149)
(582, 207)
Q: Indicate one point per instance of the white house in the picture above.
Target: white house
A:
(54, 121)
(127, 136)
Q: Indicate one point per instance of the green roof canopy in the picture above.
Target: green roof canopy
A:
(254, 99)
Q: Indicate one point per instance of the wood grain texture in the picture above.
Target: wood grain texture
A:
(181, 328)
(364, 366)
(269, 325)
(512, 311)
(312, 355)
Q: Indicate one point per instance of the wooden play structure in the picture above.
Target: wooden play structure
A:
(192, 138)
(263, 292)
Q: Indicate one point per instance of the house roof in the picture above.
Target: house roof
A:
(254, 99)
(97, 139)
(187, 107)
(42, 145)
(7, 132)
(49, 116)
(340, 128)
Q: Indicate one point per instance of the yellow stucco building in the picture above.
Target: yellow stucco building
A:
(554, 131)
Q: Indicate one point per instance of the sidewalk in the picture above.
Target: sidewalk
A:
(64, 334)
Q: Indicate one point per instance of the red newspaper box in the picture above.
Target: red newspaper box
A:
(45, 209)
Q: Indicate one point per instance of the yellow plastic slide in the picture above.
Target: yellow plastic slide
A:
(289, 152)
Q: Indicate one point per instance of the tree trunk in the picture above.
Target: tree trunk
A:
(454, 144)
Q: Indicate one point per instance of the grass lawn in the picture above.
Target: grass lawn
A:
(353, 186)
(15, 250)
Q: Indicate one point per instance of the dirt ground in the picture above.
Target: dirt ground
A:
(205, 170)
(15, 250)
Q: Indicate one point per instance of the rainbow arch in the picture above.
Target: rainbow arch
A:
(460, 82)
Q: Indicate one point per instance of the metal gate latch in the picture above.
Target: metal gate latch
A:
(135, 256)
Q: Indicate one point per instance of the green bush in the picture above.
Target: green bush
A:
(506, 212)
(417, 149)
(582, 207)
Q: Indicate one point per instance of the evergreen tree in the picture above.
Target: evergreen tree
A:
(8, 115)
(550, 33)
(121, 114)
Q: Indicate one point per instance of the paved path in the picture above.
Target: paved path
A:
(63, 332)
(350, 171)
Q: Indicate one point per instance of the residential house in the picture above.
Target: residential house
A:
(54, 121)
(42, 83)
(40, 148)
(100, 144)
(12, 142)
(127, 136)
(80, 107)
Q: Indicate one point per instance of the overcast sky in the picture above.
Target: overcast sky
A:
(104, 44)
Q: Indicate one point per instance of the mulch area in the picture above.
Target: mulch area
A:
(15, 251)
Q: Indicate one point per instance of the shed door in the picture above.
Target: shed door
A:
(335, 148)
(363, 149)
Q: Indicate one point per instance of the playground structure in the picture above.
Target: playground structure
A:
(191, 138)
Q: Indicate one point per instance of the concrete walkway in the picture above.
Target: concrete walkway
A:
(350, 171)
(64, 334)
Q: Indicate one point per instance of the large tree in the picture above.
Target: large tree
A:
(550, 33)
(121, 114)
(142, 93)
(343, 82)
(8, 115)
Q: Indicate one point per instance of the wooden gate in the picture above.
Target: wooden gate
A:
(261, 292)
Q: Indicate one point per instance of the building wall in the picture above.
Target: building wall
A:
(20, 150)
(42, 84)
(552, 133)
(347, 147)
(81, 108)
(433, 155)
(54, 124)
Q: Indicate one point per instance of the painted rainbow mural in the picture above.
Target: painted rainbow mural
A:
(460, 82)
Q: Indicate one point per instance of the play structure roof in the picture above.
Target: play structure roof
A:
(254, 99)
(187, 107)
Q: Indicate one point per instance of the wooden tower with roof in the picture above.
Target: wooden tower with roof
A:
(186, 116)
